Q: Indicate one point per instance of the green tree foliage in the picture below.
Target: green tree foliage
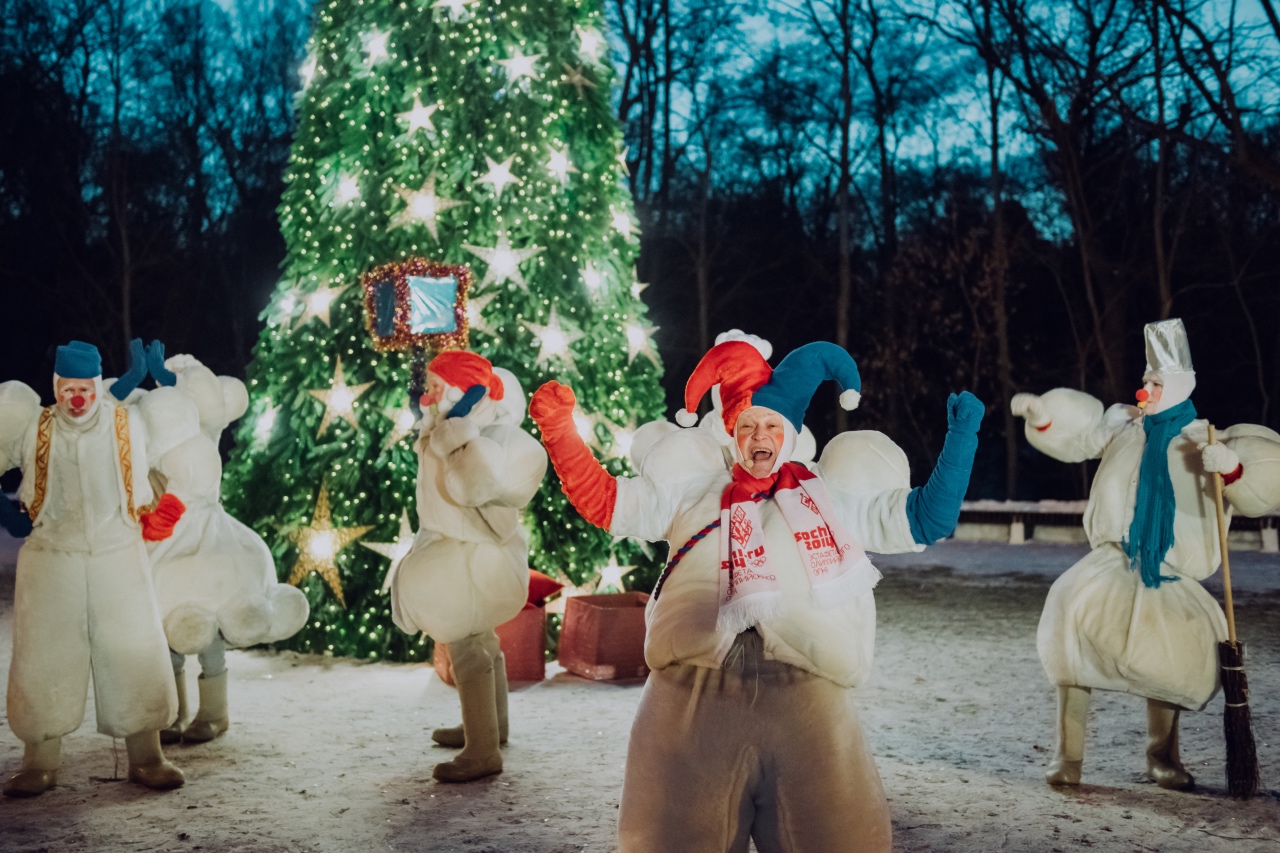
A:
(463, 131)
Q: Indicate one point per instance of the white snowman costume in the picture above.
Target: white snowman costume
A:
(1103, 626)
(468, 569)
(215, 579)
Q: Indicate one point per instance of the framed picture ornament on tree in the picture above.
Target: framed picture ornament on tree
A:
(417, 304)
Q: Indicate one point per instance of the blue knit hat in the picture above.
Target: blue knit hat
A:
(798, 376)
(78, 360)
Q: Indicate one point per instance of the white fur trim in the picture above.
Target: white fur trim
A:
(245, 619)
(762, 346)
(850, 399)
(189, 628)
(686, 418)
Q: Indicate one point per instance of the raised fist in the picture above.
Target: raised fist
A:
(964, 413)
(1029, 406)
(552, 403)
(1218, 458)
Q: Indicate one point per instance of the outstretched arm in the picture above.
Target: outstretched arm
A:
(132, 378)
(934, 508)
(591, 489)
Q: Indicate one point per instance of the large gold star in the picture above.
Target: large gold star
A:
(318, 303)
(570, 590)
(574, 77)
(611, 575)
(318, 545)
(339, 400)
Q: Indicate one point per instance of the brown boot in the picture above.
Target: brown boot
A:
(453, 737)
(1073, 714)
(211, 719)
(147, 764)
(1164, 766)
(173, 734)
(39, 770)
(473, 665)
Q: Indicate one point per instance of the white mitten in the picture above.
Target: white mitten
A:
(451, 433)
(1030, 407)
(1218, 458)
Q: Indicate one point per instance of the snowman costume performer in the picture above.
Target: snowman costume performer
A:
(214, 578)
(468, 569)
(1131, 616)
(83, 600)
(764, 618)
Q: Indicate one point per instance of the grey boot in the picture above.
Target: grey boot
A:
(211, 719)
(473, 665)
(173, 734)
(1073, 714)
(147, 764)
(1164, 766)
(39, 770)
(452, 736)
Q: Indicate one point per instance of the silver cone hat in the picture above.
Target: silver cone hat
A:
(1167, 347)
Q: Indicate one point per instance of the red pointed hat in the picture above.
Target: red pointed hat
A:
(463, 369)
(738, 368)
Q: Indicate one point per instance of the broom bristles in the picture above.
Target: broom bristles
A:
(1243, 779)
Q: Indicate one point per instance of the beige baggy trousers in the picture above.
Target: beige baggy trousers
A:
(757, 750)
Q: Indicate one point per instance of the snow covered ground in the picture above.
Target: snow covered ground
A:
(335, 755)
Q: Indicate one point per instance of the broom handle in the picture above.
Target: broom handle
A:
(1222, 546)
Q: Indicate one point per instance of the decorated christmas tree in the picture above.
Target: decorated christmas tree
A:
(473, 132)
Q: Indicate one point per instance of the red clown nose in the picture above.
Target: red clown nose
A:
(77, 402)
(1143, 395)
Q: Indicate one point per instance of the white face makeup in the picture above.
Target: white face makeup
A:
(760, 434)
(75, 397)
(1164, 391)
(435, 393)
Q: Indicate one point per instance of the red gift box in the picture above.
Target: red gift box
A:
(603, 636)
(523, 641)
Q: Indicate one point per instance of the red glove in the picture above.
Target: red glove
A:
(158, 524)
(590, 488)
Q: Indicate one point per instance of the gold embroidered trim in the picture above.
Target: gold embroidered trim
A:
(124, 451)
(44, 441)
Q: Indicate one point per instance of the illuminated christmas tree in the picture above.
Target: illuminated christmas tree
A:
(471, 132)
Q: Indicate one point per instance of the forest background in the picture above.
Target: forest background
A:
(984, 194)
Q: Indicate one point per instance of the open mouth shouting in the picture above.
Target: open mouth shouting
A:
(759, 435)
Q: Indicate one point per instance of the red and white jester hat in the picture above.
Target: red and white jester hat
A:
(462, 370)
(746, 380)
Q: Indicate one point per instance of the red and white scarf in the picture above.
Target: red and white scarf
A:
(834, 562)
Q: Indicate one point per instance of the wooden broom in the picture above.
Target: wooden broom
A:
(1237, 723)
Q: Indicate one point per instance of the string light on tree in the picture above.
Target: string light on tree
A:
(418, 117)
(555, 339)
(319, 544)
(339, 400)
(503, 261)
(499, 174)
(423, 206)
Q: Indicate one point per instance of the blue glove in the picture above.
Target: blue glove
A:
(463, 407)
(155, 363)
(934, 508)
(13, 519)
(137, 371)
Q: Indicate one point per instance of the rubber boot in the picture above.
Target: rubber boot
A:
(473, 664)
(1164, 767)
(147, 764)
(39, 770)
(453, 737)
(173, 733)
(1073, 714)
(211, 719)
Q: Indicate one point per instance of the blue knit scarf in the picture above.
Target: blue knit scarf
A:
(1151, 533)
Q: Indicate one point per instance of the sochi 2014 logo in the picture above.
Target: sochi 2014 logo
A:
(740, 525)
